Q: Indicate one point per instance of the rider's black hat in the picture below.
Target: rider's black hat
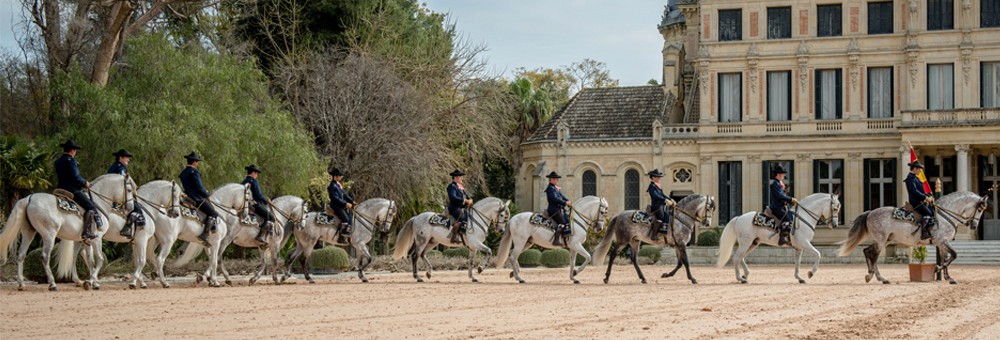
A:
(336, 172)
(553, 175)
(915, 164)
(655, 173)
(457, 173)
(252, 168)
(70, 145)
(122, 153)
(778, 170)
(192, 157)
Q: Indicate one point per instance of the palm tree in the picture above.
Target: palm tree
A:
(532, 103)
(23, 169)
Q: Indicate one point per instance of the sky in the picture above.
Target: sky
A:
(531, 33)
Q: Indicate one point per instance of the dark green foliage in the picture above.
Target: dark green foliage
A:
(165, 102)
(24, 168)
(555, 258)
(580, 259)
(457, 252)
(330, 258)
(432, 252)
(530, 258)
(34, 271)
(650, 252)
(709, 238)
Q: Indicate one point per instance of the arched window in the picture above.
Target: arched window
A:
(631, 189)
(589, 183)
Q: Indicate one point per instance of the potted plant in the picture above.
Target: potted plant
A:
(921, 272)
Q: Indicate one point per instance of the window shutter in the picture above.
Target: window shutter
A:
(840, 99)
(766, 171)
(790, 177)
(816, 171)
(838, 25)
(867, 181)
(817, 75)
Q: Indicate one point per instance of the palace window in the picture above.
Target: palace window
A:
(631, 189)
(589, 184)
(829, 20)
(940, 87)
(880, 92)
(880, 183)
(943, 168)
(730, 191)
(828, 94)
(779, 96)
(940, 15)
(767, 168)
(880, 17)
(989, 13)
(730, 97)
(731, 25)
(779, 23)
(990, 85)
(828, 177)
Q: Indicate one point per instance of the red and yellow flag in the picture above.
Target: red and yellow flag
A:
(920, 176)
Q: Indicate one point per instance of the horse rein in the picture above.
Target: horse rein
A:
(695, 218)
(952, 216)
(482, 216)
(589, 222)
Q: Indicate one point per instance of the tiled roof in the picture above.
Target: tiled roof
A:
(608, 113)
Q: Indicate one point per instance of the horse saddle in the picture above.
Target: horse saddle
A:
(642, 216)
(906, 213)
(440, 219)
(248, 220)
(765, 219)
(542, 219)
(64, 199)
(327, 218)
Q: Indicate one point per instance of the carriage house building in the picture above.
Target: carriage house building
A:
(832, 91)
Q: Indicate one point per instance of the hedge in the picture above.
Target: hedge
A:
(330, 258)
(555, 258)
(34, 271)
(709, 238)
(530, 258)
(457, 252)
(650, 252)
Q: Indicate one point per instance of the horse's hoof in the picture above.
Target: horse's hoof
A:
(605, 281)
(885, 282)
(520, 281)
(229, 283)
(576, 282)
(666, 275)
(197, 279)
(20, 288)
(643, 281)
(131, 286)
(744, 277)
(86, 286)
(743, 282)
(574, 272)
(51, 288)
(802, 281)
(165, 286)
(428, 275)
(479, 270)
(252, 281)
(693, 281)
(420, 280)
(512, 275)
(953, 282)
(475, 280)
(311, 281)
(97, 287)
(810, 274)
(364, 280)
(868, 278)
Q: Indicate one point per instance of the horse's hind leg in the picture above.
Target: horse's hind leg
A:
(139, 260)
(472, 258)
(871, 256)
(47, 244)
(635, 251)
(27, 235)
(943, 268)
(304, 261)
(611, 260)
(264, 257)
(515, 267)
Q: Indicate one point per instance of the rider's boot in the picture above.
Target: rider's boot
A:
(455, 232)
(662, 229)
(558, 235)
(208, 226)
(925, 229)
(129, 222)
(783, 233)
(262, 233)
(89, 221)
(344, 236)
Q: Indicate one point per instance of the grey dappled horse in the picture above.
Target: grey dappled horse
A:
(421, 235)
(954, 209)
(587, 212)
(371, 216)
(811, 210)
(696, 208)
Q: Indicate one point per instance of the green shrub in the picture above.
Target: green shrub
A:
(530, 258)
(709, 238)
(580, 259)
(330, 258)
(434, 253)
(650, 252)
(555, 258)
(456, 252)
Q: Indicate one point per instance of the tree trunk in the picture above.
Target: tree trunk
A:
(109, 43)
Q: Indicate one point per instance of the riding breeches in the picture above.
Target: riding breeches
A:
(559, 217)
(781, 213)
(662, 214)
(263, 213)
(458, 214)
(342, 214)
(83, 200)
(923, 209)
(206, 207)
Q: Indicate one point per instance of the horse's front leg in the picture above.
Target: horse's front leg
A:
(951, 255)
(682, 250)
(472, 258)
(47, 245)
(816, 252)
(290, 261)
(139, 259)
(635, 262)
(275, 259)
(158, 259)
(78, 251)
(479, 246)
(577, 248)
(680, 262)
(97, 252)
(363, 255)
(798, 262)
(264, 257)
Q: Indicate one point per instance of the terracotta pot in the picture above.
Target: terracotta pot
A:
(921, 272)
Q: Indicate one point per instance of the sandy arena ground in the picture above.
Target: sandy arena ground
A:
(835, 304)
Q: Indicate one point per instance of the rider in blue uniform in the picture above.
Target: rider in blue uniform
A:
(195, 190)
(120, 167)
(341, 203)
(557, 203)
(458, 200)
(261, 204)
(778, 201)
(68, 174)
(919, 199)
(659, 202)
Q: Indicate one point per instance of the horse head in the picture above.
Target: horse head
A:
(390, 215)
(247, 198)
(834, 210)
(174, 208)
(602, 215)
(981, 206)
(709, 212)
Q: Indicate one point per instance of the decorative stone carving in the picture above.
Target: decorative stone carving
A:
(962, 148)
(682, 175)
(853, 54)
(752, 57)
(911, 59)
(753, 158)
(966, 48)
(803, 157)
(706, 160)
(854, 156)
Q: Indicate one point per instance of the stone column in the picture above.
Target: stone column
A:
(962, 171)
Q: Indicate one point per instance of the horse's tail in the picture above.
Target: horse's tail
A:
(609, 237)
(65, 259)
(504, 251)
(404, 240)
(857, 234)
(17, 220)
(190, 253)
(726, 243)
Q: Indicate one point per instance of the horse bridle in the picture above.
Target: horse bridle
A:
(370, 223)
(953, 216)
(493, 223)
(590, 222)
(709, 203)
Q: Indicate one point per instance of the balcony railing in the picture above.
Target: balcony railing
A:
(783, 128)
(955, 117)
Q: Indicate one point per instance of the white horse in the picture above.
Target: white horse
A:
(954, 209)
(371, 216)
(419, 233)
(162, 200)
(103, 189)
(588, 212)
(811, 210)
(39, 214)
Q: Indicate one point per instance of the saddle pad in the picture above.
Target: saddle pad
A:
(438, 219)
(324, 219)
(902, 214)
(249, 220)
(538, 219)
(68, 205)
(762, 221)
(189, 213)
(642, 217)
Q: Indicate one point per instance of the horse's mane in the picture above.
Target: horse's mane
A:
(227, 186)
(690, 198)
(955, 197)
(816, 194)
